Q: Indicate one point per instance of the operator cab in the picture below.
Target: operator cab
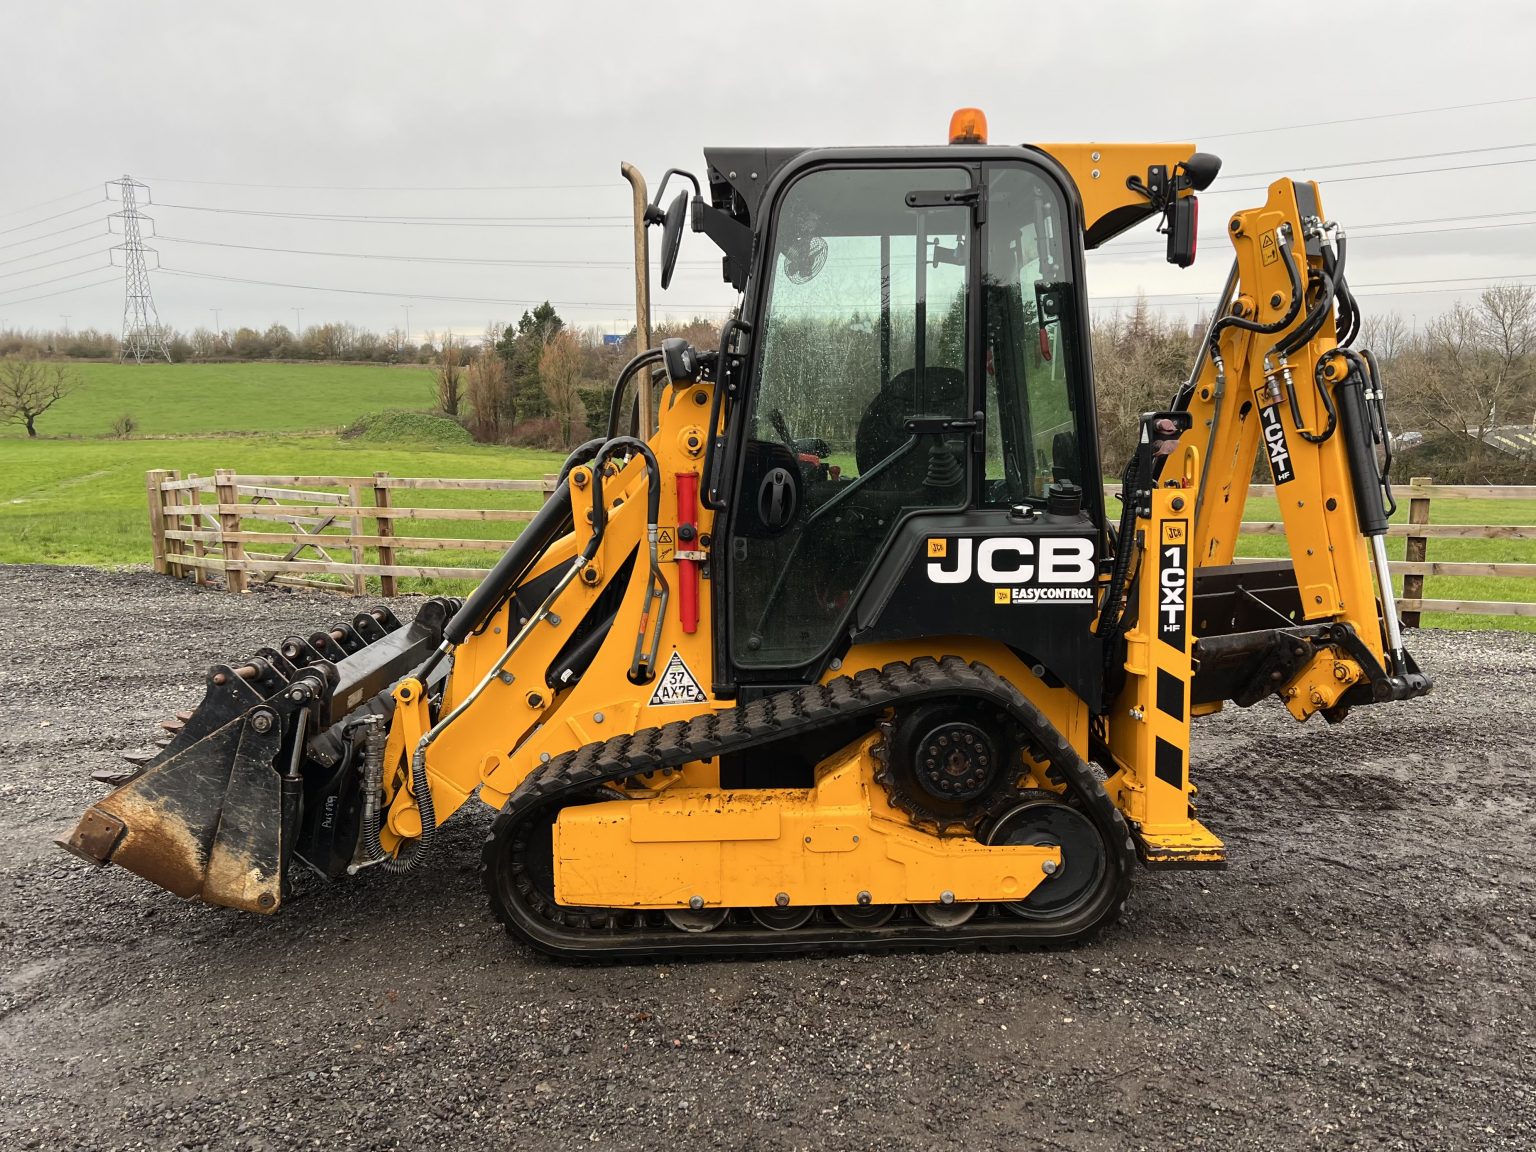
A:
(917, 352)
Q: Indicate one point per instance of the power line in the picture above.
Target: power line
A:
(45, 251)
(1383, 160)
(413, 295)
(531, 263)
(1486, 281)
(453, 221)
(41, 283)
(487, 261)
(388, 187)
(49, 235)
(1387, 175)
(1358, 119)
(45, 219)
(45, 203)
(1217, 237)
(726, 307)
(53, 264)
(63, 291)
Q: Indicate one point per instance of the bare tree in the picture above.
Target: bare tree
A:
(487, 381)
(450, 376)
(1386, 334)
(29, 387)
(560, 376)
(1139, 360)
(1471, 371)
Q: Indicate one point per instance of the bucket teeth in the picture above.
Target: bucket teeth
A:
(116, 777)
(139, 759)
(173, 726)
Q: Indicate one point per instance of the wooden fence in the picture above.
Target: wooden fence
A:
(198, 526)
(1419, 531)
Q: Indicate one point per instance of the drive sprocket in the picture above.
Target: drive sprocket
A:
(949, 765)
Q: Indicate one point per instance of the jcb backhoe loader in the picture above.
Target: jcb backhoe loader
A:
(848, 652)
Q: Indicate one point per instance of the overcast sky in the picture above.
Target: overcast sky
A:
(202, 101)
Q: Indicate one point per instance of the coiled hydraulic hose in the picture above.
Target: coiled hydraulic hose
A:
(413, 853)
(616, 404)
(1283, 242)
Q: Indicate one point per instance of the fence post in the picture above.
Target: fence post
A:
(359, 557)
(174, 549)
(152, 482)
(550, 484)
(229, 526)
(1416, 547)
(199, 550)
(386, 526)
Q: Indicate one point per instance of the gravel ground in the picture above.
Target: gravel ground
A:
(1361, 976)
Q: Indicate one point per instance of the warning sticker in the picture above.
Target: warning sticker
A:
(1267, 251)
(666, 546)
(677, 685)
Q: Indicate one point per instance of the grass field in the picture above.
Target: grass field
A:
(82, 501)
(204, 399)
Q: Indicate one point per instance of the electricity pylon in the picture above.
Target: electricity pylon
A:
(142, 335)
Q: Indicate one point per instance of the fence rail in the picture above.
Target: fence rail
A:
(198, 527)
(1418, 532)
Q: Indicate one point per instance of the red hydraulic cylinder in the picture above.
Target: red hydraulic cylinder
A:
(687, 541)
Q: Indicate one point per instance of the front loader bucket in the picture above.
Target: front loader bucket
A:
(207, 819)
(262, 771)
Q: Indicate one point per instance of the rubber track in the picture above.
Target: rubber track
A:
(788, 716)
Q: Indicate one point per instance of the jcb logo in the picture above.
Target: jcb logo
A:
(1016, 560)
(1274, 443)
(1173, 584)
(1020, 569)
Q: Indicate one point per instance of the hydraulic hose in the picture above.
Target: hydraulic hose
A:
(1109, 613)
(1313, 323)
(652, 471)
(658, 592)
(1377, 396)
(413, 854)
(1319, 377)
(616, 405)
(1297, 291)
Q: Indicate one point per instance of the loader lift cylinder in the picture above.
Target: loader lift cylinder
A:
(547, 525)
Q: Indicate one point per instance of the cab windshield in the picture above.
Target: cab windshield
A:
(866, 360)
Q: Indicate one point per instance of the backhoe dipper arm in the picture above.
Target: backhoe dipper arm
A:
(1192, 627)
(1277, 370)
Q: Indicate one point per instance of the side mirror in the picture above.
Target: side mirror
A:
(672, 236)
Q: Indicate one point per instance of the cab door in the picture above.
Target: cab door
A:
(860, 412)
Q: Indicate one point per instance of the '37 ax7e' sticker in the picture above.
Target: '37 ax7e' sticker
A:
(1019, 569)
(1274, 443)
(1173, 583)
(677, 685)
